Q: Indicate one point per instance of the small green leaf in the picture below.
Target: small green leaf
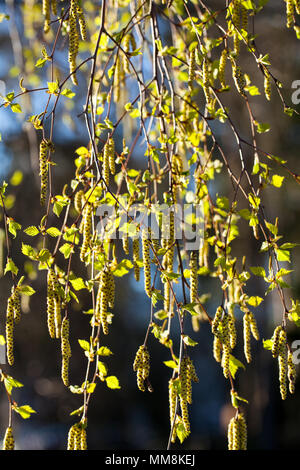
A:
(10, 383)
(189, 341)
(277, 181)
(254, 301)
(258, 271)
(32, 231)
(16, 108)
(104, 351)
(84, 344)
(112, 382)
(171, 364)
(13, 226)
(53, 232)
(25, 411)
(267, 344)
(234, 365)
(27, 290)
(10, 266)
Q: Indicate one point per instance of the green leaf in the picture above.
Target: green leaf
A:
(189, 341)
(66, 249)
(78, 411)
(277, 181)
(91, 387)
(112, 382)
(267, 344)
(16, 108)
(102, 367)
(181, 432)
(234, 365)
(68, 93)
(25, 411)
(258, 271)
(78, 283)
(283, 255)
(254, 301)
(40, 63)
(32, 231)
(13, 226)
(171, 364)
(104, 351)
(84, 344)
(262, 127)
(53, 87)
(10, 383)
(10, 266)
(2, 340)
(29, 251)
(53, 232)
(123, 268)
(27, 290)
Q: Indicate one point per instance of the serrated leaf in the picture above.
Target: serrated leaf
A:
(258, 271)
(267, 344)
(234, 365)
(189, 341)
(171, 364)
(78, 283)
(13, 226)
(254, 301)
(10, 266)
(53, 232)
(66, 249)
(84, 344)
(104, 351)
(10, 383)
(27, 290)
(25, 411)
(32, 231)
(277, 181)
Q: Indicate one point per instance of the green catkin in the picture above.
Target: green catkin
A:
(65, 351)
(125, 244)
(172, 404)
(104, 298)
(136, 257)
(8, 441)
(193, 277)
(87, 227)
(111, 290)
(9, 330)
(105, 165)
(146, 262)
(247, 336)
(237, 433)
(242, 431)
(118, 78)
(291, 372)
(236, 43)
(236, 444)
(167, 293)
(222, 66)
(283, 365)
(57, 316)
(79, 201)
(111, 156)
(267, 85)
(192, 65)
(290, 13)
(44, 146)
(276, 341)
(236, 12)
(244, 18)
(126, 46)
(46, 13)
(231, 326)
(77, 437)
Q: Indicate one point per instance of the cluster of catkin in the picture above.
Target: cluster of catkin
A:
(13, 315)
(187, 376)
(75, 14)
(237, 433)
(77, 437)
(105, 298)
(240, 22)
(224, 331)
(291, 7)
(141, 366)
(48, 5)
(287, 369)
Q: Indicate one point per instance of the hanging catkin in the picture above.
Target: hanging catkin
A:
(8, 441)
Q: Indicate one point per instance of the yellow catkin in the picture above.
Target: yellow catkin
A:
(82, 24)
(206, 82)
(125, 244)
(65, 351)
(8, 441)
(167, 295)
(136, 257)
(217, 349)
(126, 46)
(236, 12)
(71, 437)
(46, 13)
(297, 6)
(247, 337)
(216, 321)
(239, 79)
(185, 392)
(77, 437)
(17, 305)
(105, 164)
(230, 434)
(83, 440)
(57, 316)
(225, 360)
(192, 65)
(118, 79)
(44, 146)
(111, 156)
(231, 327)
(141, 366)
(244, 18)
(283, 365)
(87, 230)
(267, 85)
(9, 329)
(291, 372)
(193, 277)
(253, 326)
(222, 66)
(276, 341)
(73, 45)
(172, 406)
(111, 290)
(146, 262)
(78, 201)
(50, 304)
(54, 7)
(290, 13)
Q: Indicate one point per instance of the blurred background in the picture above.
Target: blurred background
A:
(127, 418)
